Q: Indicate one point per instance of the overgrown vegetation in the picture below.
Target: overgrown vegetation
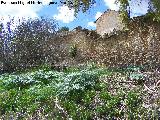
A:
(25, 46)
(125, 5)
(153, 9)
(77, 93)
(90, 92)
(73, 51)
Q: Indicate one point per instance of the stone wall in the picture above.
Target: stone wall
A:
(59, 47)
(108, 22)
(139, 45)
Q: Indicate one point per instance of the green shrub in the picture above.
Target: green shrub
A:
(73, 51)
(17, 81)
(22, 81)
(77, 81)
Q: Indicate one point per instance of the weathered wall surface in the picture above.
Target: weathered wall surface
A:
(140, 45)
(58, 48)
(108, 21)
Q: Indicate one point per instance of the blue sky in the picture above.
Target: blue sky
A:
(62, 14)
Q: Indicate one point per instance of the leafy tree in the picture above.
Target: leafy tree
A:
(153, 11)
(6, 35)
(79, 5)
(84, 5)
(1, 47)
(30, 41)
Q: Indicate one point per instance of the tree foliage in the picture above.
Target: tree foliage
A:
(79, 5)
(6, 35)
(30, 39)
(24, 46)
(84, 5)
(153, 9)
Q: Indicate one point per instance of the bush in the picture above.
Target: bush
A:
(73, 51)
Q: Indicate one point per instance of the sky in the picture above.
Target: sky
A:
(62, 14)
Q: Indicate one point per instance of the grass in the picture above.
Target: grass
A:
(77, 93)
